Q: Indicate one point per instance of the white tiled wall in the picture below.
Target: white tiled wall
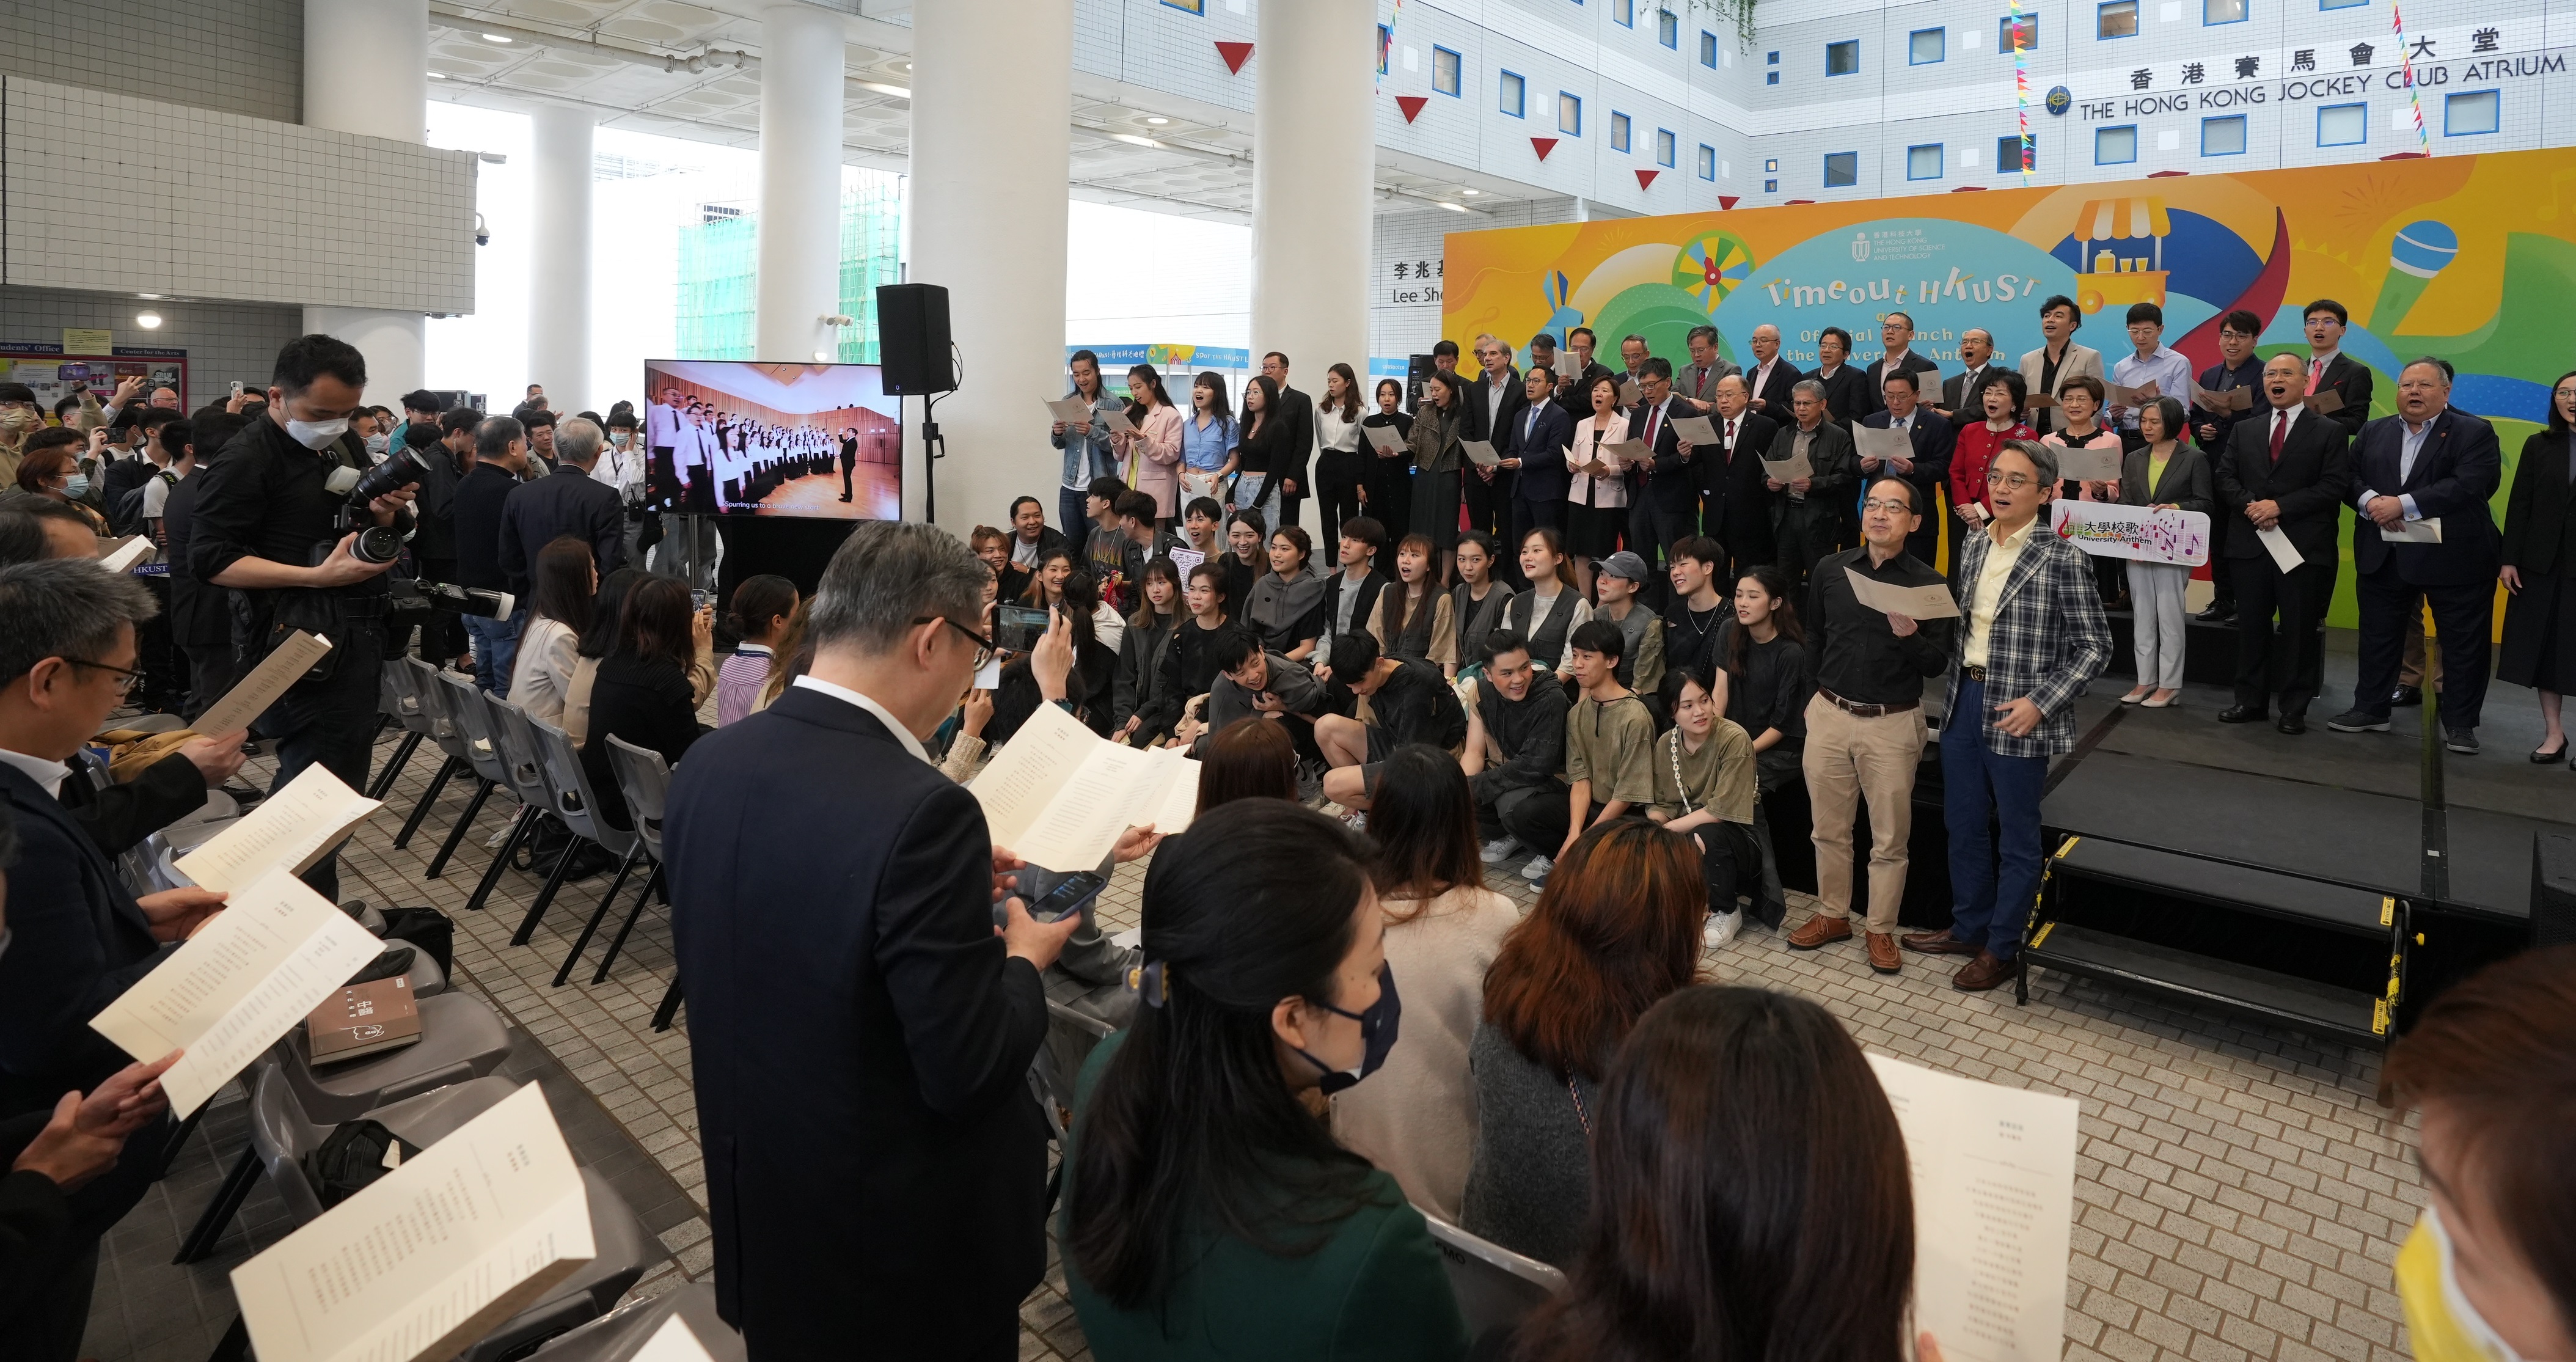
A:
(224, 341)
(240, 56)
(109, 192)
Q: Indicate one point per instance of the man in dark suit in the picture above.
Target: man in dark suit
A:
(2425, 465)
(2237, 367)
(1848, 396)
(567, 501)
(1663, 497)
(875, 1165)
(1771, 378)
(1575, 394)
(849, 458)
(1896, 331)
(1959, 401)
(1735, 506)
(1807, 513)
(1930, 464)
(1491, 403)
(2330, 370)
(1535, 442)
(1297, 413)
(2289, 471)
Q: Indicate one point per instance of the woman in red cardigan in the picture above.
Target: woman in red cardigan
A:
(1977, 446)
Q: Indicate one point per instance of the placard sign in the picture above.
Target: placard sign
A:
(2134, 532)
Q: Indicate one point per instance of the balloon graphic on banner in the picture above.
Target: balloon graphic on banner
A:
(1710, 265)
(2419, 251)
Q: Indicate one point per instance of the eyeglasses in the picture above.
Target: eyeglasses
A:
(983, 645)
(1888, 504)
(2011, 481)
(127, 678)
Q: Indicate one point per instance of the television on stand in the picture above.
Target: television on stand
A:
(745, 438)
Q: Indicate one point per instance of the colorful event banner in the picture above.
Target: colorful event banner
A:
(2110, 530)
(2469, 258)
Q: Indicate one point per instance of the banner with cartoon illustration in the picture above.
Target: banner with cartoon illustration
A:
(2139, 533)
(2468, 258)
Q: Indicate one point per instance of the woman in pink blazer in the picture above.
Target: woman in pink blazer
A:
(1153, 450)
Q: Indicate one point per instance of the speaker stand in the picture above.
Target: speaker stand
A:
(933, 447)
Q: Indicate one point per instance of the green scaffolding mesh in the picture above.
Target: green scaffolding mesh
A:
(720, 260)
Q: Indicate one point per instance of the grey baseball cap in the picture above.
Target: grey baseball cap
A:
(1626, 566)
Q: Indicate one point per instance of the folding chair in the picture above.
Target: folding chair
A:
(1493, 1285)
(622, 1333)
(526, 772)
(400, 698)
(645, 779)
(442, 731)
(465, 709)
(571, 800)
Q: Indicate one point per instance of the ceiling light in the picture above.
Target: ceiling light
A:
(147, 319)
(1133, 140)
(1452, 207)
(1471, 193)
(881, 88)
(148, 297)
(907, 66)
(1158, 120)
(436, 75)
(494, 38)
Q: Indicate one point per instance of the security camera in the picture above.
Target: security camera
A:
(482, 234)
(840, 319)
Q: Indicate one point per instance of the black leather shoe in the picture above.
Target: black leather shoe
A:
(2406, 697)
(2293, 724)
(2216, 614)
(2242, 714)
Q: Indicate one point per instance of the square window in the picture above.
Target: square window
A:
(2029, 34)
(1925, 46)
(1385, 36)
(1842, 58)
(1707, 161)
(1198, 7)
(2011, 152)
(2341, 4)
(1708, 50)
(1923, 163)
(1771, 78)
(2470, 112)
(1625, 11)
(1771, 166)
(1665, 150)
(1444, 71)
(2225, 11)
(1842, 169)
(1618, 132)
(2115, 146)
(1668, 29)
(2343, 125)
(1770, 186)
(1569, 114)
(1771, 59)
(1513, 91)
(2223, 136)
(2118, 19)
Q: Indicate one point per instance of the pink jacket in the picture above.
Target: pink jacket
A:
(1158, 471)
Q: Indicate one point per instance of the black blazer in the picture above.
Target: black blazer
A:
(2349, 379)
(121, 815)
(1673, 486)
(2186, 484)
(2459, 467)
(1296, 439)
(645, 702)
(1774, 395)
(567, 501)
(1874, 377)
(1472, 424)
(1933, 439)
(861, 1042)
(1848, 396)
(2311, 483)
(1738, 509)
(1835, 465)
(77, 941)
(1541, 450)
(2538, 508)
(1960, 400)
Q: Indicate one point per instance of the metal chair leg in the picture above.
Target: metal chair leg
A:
(519, 825)
(393, 768)
(670, 1006)
(632, 914)
(545, 896)
(473, 807)
(219, 1212)
(446, 769)
(599, 914)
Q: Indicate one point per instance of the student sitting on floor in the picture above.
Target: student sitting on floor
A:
(1607, 737)
(1704, 780)
(1410, 701)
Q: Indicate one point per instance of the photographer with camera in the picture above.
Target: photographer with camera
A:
(299, 528)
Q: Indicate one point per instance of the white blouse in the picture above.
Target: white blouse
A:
(1339, 435)
(1585, 489)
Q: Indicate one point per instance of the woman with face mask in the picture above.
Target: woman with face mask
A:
(2489, 1273)
(50, 471)
(1208, 1210)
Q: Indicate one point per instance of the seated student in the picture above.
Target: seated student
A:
(1247, 759)
(1203, 528)
(994, 547)
(1254, 683)
(1443, 929)
(1607, 734)
(1286, 607)
(642, 693)
(1351, 594)
(761, 608)
(1641, 632)
(1104, 545)
(562, 582)
(1697, 612)
(1207, 1211)
(1095, 663)
(1547, 614)
(1246, 559)
(1750, 1196)
(1414, 619)
(1141, 713)
(1189, 665)
(1617, 929)
(1144, 542)
(1410, 701)
(1704, 780)
(601, 637)
(1477, 599)
(1515, 752)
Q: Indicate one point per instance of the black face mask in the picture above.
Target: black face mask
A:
(1377, 1026)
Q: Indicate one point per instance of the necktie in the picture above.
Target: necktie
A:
(2280, 432)
(2316, 373)
(1730, 438)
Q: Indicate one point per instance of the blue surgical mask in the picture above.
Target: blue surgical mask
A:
(77, 487)
(1377, 1026)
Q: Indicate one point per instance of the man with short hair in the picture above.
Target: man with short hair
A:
(1534, 444)
(1251, 682)
(567, 501)
(1696, 382)
(834, 886)
(2150, 361)
(1896, 333)
(500, 461)
(1959, 403)
(1031, 537)
(1574, 395)
(1663, 487)
(1609, 738)
(1297, 446)
(540, 425)
(1350, 595)
(1641, 632)
(2238, 367)
(2044, 371)
(1104, 545)
(2426, 464)
(1847, 394)
(663, 419)
(1735, 503)
(1928, 468)
(1515, 752)
(64, 532)
(536, 398)
(2031, 633)
(1411, 702)
(1702, 602)
(2287, 471)
(1632, 356)
(1769, 383)
(1865, 721)
(422, 406)
(2330, 370)
(1806, 512)
(1493, 404)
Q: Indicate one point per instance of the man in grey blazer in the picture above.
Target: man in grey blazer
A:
(2058, 358)
(1695, 383)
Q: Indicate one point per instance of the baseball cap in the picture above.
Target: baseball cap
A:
(1626, 566)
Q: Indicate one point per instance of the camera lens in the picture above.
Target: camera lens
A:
(401, 469)
(377, 544)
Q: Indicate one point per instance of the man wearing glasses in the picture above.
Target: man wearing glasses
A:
(2031, 633)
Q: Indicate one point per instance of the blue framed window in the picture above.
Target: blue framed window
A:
(2343, 125)
(2115, 146)
(2226, 11)
(1618, 132)
(1707, 161)
(1770, 77)
(1771, 166)
(1843, 58)
(1624, 11)
(1514, 94)
(1444, 71)
(1923, 162)
(1770, 186)
(1569, 114)
(1668, 29)
(2010, 151)
(1708, 49)
(1197, 7)
(1385, 36)
(1666, 148)
(1842, 169)
(2029, 34)
(2223, 136)
(2471, 112)
(1924, 46)
(1770, 59)
(2341, 4)
(2116, 19)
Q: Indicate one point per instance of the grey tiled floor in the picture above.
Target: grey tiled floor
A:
(2239, 1194)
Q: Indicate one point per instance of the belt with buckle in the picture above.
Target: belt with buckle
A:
(1860, 711)
(1973, 673)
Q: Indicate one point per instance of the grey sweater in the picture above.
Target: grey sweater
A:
(1529, 1182)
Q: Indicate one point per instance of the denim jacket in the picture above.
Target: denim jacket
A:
(1087, 454)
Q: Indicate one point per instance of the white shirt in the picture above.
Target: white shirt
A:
(884, 716)
(156, 493)
(2408, 448)
(49, 774)
(659, 422)
(1987, 596)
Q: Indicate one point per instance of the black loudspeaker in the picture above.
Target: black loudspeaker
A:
(2553, 889)
(1417, 375)
(912, 338)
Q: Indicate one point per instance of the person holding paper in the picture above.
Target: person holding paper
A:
(2150, 363)
(2080, 401)
(2427, 466)
(1978, 443)
(1534, 444)
(1806, 510)
(1086, 447)
(2238, 371)
(2281, 482)
(2539, 571)
(1575, 394)
(1294, 439)
(2031, 634)
(1771, 378)
(1343, 453)
(1151, 448)
(2330, 370)
(2045, 370)
(1735, 503)
(1849, 395)
(1663, 491)
(1386, 489)
(1597, 494)
(1896, 333)
(1437, 490)
(1495, 399)
(1958, 399)
(1696, 382)
(1929, 438)
(1267, 439)
(2164, 473)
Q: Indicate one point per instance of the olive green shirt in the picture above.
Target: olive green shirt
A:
(1607, 745)
(1719, 777)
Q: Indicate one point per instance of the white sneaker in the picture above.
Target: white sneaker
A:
(1537, 869)
(1500, 849)
(1721, 929)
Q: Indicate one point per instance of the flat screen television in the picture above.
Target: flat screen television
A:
(747, 438)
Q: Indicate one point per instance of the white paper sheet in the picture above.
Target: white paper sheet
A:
(1059, 795)
(2138, 396)
(1913, 602)
(1383, 439)
(2425, 531)
(247, 977)
(1621, 453)
(2088, 465)
(431, 1256)
(1629, 393)
(1481, 452)
(290, 830)
(1697, 430)
(2216, 400)
(1788, 470)
(1185, 559)
(251, 696)
(2324, 402)
(1115, 419)
(2279, 546)
(124, 553)
(1073, 411)
(1993, 1170)
(1883, 442)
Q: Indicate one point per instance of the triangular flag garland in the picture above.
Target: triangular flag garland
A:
(1646, 178)
(2021, 91)
(2406, 64)
(1235, 54)
(1543, 145)
(1411, 104)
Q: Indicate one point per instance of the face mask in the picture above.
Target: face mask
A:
(17, 418)
(77, 487)
(1378, 1027)
(378, 444)
(316, 434)
(621, 440)
(2444, 1326)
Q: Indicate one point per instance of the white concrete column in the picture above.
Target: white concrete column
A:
(992, 143)
(559, 269)
(366, 71)
(1311, 202)
(801, 66)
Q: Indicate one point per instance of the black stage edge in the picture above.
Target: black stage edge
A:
(792, 547)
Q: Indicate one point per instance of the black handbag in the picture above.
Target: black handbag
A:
(351, 1157)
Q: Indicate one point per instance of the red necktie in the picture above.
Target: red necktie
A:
(2316, 373)
(1730, 440)
(2280, 432)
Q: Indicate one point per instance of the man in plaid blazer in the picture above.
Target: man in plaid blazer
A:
(2031, 633)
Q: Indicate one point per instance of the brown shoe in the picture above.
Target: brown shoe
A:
(1937, 943)
(1985, 972)
(1819, 930)
(1882, 953)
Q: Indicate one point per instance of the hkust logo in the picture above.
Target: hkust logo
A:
(1963, 287)
(1860, 245)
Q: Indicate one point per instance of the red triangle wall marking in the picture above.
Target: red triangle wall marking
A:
(1646, 178)
(1411, 104)
(1727, 200)
(1235, 54)
(1543, 145)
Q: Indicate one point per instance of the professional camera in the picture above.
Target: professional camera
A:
(376, 543)
(413, 595)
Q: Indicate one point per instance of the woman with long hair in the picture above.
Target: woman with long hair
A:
(593, 646)
(1553, 608)
(2169, 474)
(1207, 1210)
(1153, 449)
(791, 657)
(1413, 619)
(1342, 453)
(1616, 929)
(1437, 458)
(1387, 485)
(1597, 495)
(1189, 664)
(1046, 578)
(1287, 604)
(1248, 759)
(1246, 558)
(2539, 572)
(1207, 439)
(642, 691)
(761, 607)
(1750, 1196)
(1476, 602)
(1443, 930)
(559, 604)
(1262, 456)
(1762, 649)
(1140, 713)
